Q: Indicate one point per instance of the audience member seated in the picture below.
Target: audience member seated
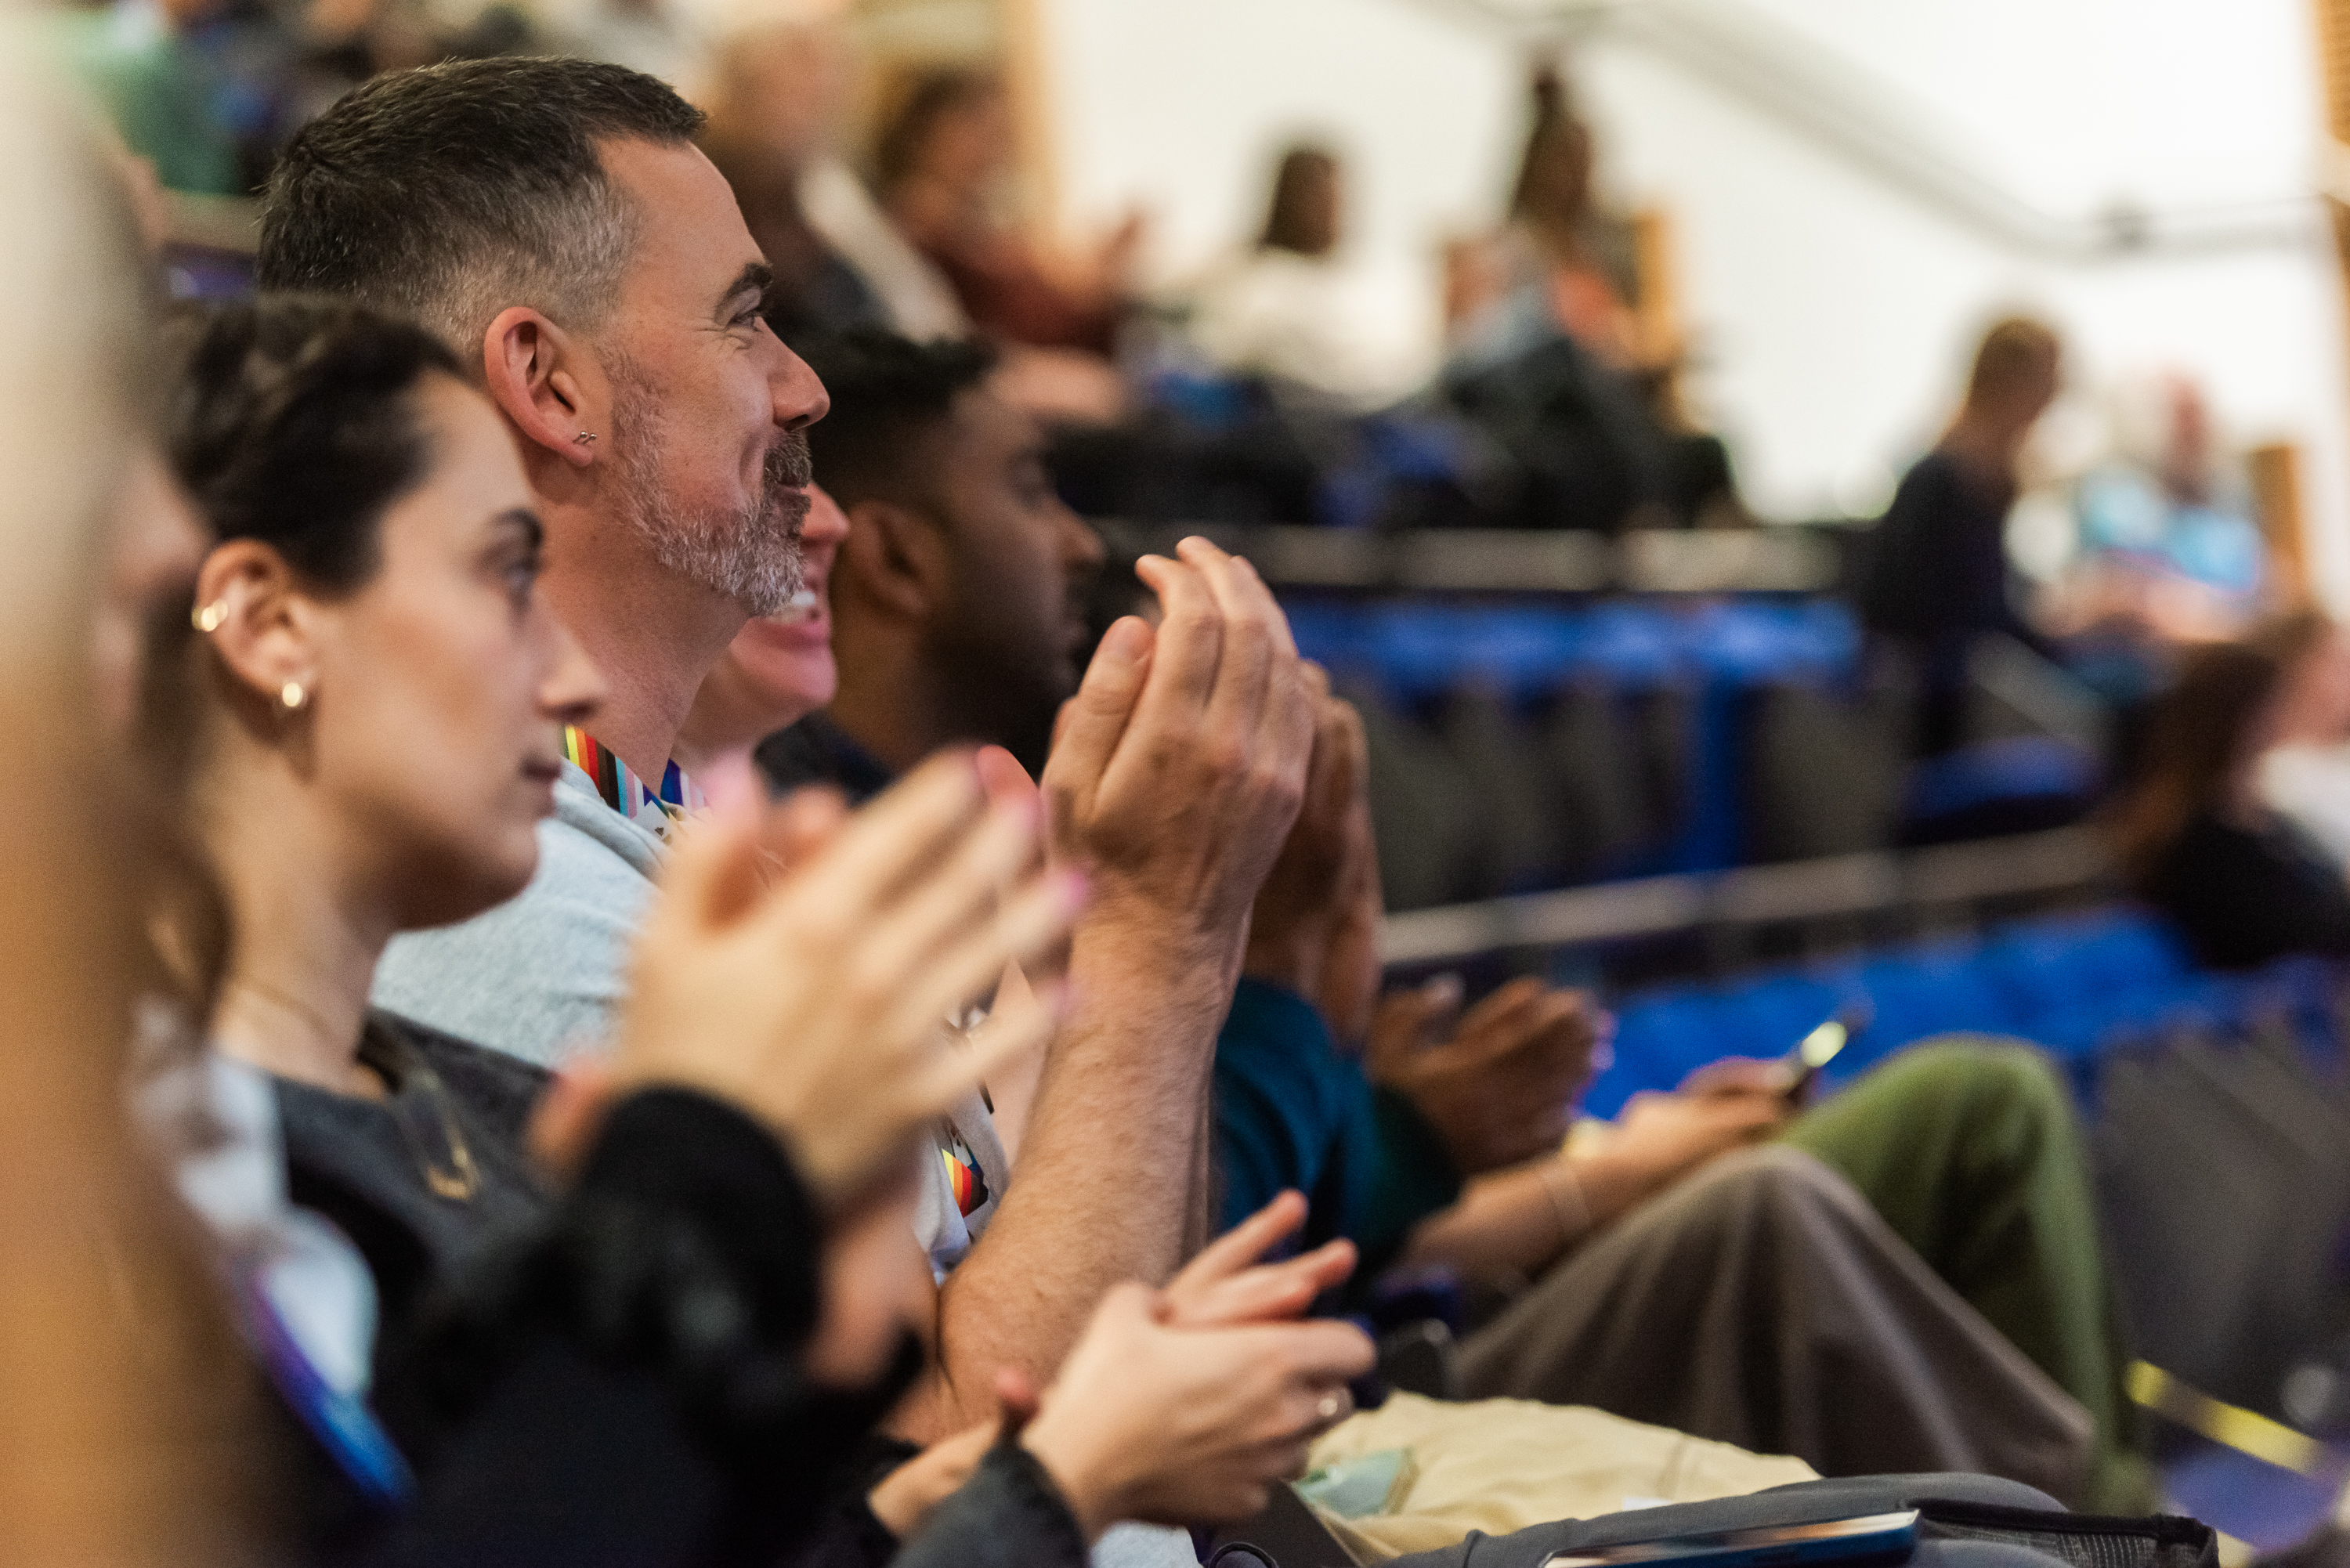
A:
(1557, 241)
(1546, 356)
(777, 92)
(2153, 551)
(1289, 310)
(1945, 1195)
(960, 605)
(2196, 836)
(929, 463)
(1936, 581)
(778, 669)
(941, 165)
(659, 38)
(161, 73)
(669, 492)
(2165, 529)
(2304, 778)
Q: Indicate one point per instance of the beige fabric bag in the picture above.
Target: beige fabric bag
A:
(1500, 1465)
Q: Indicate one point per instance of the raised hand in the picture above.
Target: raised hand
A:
(1228, 1284)
(1660, 1137)
(1180, 1425)
(1310, 892)
(804, 975)
(1181, 762)
(1500, 1087)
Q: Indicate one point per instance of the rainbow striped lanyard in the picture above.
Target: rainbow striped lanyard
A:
(625, 791)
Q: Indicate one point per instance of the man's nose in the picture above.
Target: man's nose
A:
(800, 398)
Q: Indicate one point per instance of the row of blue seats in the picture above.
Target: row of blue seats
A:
(2076, 984)
(1416, 649)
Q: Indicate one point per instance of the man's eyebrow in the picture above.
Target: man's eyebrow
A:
(754, 278)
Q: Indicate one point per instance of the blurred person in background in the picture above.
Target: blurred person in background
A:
(2163, 552)
(659, 37)
(778, 99)
(131, 1436)
(1549, 358)
(777, 92)
(1936, 581)
(2195, 832)
(166, 74)
(943, 166)
(1556, 240)
(2304, 778)
(209, 91)
(1288, 309)
(2169, 519)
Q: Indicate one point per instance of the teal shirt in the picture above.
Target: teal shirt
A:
(158, 90)
(1294, 1111)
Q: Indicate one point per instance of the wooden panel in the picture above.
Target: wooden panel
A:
(2333, 18)
(2276, 474)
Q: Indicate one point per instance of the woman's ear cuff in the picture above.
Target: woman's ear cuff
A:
(208, 617)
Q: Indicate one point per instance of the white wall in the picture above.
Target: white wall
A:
(1832, 310)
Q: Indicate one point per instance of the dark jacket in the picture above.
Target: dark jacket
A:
(609, 1376)
(2243, 896)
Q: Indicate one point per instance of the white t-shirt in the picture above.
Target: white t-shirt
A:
(2311, 785)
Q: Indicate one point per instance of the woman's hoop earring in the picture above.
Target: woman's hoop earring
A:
(293, 695)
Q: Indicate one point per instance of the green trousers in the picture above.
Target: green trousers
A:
(1970, 1151)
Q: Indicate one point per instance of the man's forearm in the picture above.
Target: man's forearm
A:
(1113, 1148)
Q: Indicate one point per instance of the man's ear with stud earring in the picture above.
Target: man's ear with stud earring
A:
(584, 438)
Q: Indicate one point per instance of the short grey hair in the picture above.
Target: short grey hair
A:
(451, 193)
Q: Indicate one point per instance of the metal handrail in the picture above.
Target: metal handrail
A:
(1844, 108)
(1787, 560)
(1842, 884)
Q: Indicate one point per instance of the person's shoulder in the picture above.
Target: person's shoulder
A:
(478, 1072)
(815, 750)
(591, 834)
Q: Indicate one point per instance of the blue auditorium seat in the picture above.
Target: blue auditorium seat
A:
(2078, 984)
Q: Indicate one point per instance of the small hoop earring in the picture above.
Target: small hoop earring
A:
(208, 617)
(584, 438)
(293, 695)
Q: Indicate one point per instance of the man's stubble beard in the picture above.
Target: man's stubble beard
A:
(752, 554)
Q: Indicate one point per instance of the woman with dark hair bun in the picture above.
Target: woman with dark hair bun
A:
(2193, 833)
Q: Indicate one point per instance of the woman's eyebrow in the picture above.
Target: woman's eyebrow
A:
(524, 520)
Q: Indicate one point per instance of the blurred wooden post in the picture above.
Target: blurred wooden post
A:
(1028, 83)
(2333, 24)
(2275, 474)
(1657, 307)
